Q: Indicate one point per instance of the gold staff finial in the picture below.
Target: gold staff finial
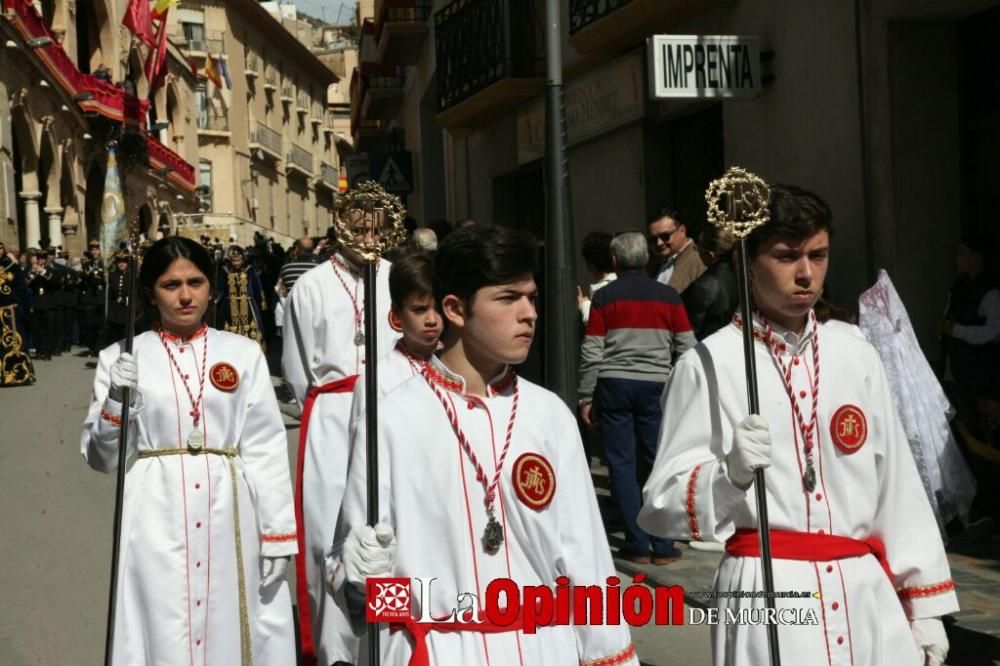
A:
(738, 201)
(369, 220)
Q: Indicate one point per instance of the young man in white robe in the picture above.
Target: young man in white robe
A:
(848, 516)
(413, 314)
(492, 484)
(322, 358)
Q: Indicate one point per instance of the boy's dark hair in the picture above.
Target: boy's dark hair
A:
(796, 215)
(597, 250)
(412, 273)
(478, 256)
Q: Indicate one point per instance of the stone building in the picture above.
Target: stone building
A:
(57, 119)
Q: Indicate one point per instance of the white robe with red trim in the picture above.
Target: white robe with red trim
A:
(873, 491)
(429, 494)
(178, 600)
(319, 348)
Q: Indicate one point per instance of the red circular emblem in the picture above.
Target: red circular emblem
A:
(224, 377)
(849, 428)
(534, 480)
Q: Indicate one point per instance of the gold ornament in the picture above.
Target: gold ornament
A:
(369, 220)
(738, 201)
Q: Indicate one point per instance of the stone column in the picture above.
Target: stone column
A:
(32, 218)
(55, 226)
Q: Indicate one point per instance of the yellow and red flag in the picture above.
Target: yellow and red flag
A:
(161, 7)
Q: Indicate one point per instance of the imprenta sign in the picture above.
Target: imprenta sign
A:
(703, 66)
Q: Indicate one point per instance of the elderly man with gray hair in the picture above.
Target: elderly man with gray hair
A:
(637, 328)
(425, 240)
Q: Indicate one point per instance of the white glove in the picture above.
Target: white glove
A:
(272, 570)
(124, 374)
(368, 552)
(931, 639)
(751, 449)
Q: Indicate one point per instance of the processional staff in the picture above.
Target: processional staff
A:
(369, 221)
(738, 202)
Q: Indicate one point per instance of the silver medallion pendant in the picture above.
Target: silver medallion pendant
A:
(809, 478)
(196, 440)
(492, 536)
(359, 338)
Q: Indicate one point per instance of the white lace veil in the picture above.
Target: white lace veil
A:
(920, 401)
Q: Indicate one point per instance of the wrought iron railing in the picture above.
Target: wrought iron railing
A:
(301, 158)
(479, 42)
(270, 78)
(287, 91)
(209, 120)
(584, 12)
(409, 11)
(268, 138)
(329, 173)
(253, 63)
(302, 101)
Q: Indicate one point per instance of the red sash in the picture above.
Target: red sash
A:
(789, 545)
(419, 630)
(345, 385)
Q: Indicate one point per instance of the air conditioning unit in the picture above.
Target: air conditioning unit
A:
(196, 45)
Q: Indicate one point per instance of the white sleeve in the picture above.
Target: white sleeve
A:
(298, 342)
(688, 494)
(102, 427)
(989, 309)
(585, 556)
(264, 451)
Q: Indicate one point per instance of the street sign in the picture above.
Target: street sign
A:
(358, 168)
(703, 66)
(393, 171)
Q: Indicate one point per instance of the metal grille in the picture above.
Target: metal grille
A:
(479, 42)
(584, 12)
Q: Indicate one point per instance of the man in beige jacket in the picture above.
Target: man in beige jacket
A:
(679, 262)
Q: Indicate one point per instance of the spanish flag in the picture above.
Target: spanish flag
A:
(212, 71)
(161, 7)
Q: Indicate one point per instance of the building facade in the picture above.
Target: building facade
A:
(267, 153)
(72, 83)
(882, 107)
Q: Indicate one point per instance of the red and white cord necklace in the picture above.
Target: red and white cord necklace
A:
(196, 440)
(359, 332)
(810, 429)
(416, 363)
(493, 534)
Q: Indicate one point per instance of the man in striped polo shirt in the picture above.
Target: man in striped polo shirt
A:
(637, 328)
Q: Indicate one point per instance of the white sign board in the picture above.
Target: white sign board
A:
(703, 66)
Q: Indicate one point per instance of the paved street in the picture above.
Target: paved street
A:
(56, 532)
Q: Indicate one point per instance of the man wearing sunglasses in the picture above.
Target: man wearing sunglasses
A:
(678, 262)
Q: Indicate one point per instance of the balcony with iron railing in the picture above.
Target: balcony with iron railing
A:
(316, 115)
(302, 102)
(609, 26)
(267, 140)
(377, 90)
(252, 70)
(211, 42)
(270, 80)
(489, 59)
(300, 160)
(400, 30)
(287, 92)
(210, 122)
(329, 175)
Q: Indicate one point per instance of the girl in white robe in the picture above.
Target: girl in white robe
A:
(208, 521)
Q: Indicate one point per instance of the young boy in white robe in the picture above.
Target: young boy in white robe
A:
(482, 476)
(848, 516)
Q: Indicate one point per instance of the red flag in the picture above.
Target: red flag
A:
(138, 21)
(156, 63)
